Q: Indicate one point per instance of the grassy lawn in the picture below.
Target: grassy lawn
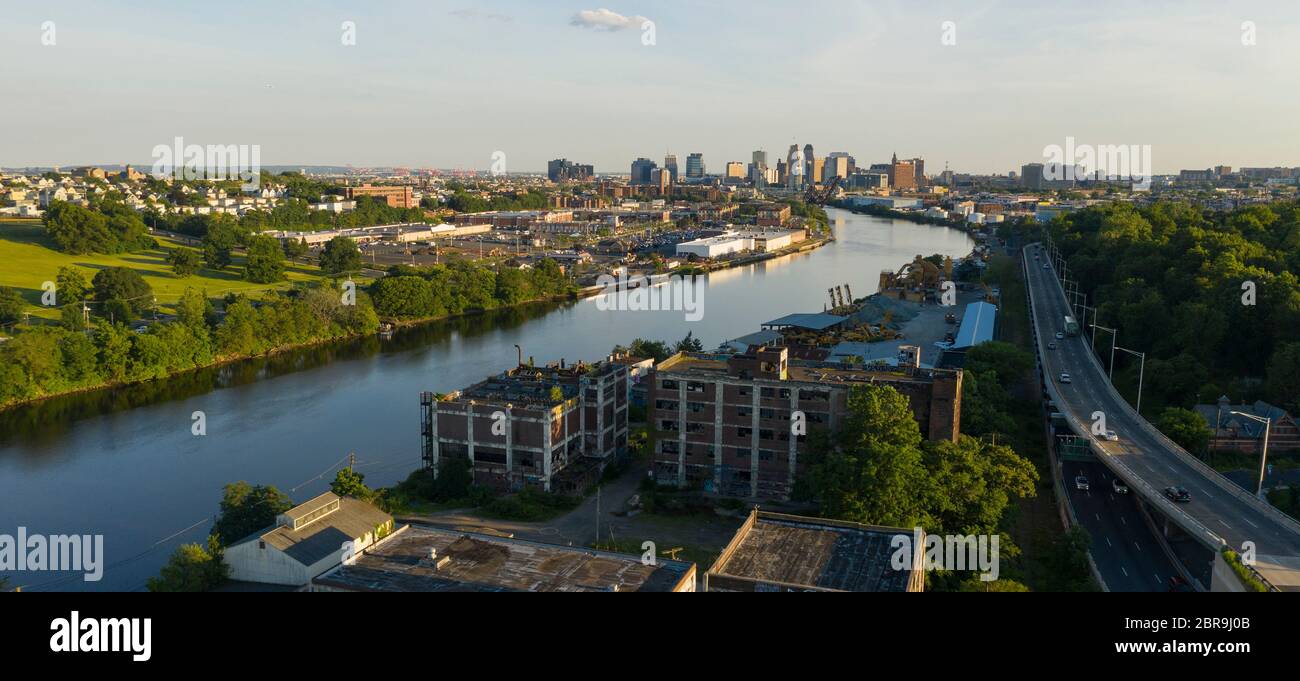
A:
(28, 257)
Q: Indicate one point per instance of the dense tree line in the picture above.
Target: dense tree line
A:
(1212, 297)
(876, 469)
(462, 286)
(111, 228)
(463, 201)
(53, 359)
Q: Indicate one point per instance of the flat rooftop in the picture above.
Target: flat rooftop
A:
(812, 553)
(814, 321)
(707, 366)
(479, 562)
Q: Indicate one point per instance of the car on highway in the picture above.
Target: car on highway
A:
(1060, 335)
(1119, 487)
(1081, 482)
(1065, 378)
(1178, 494)
(1051, 346)
(1044, 265)
(1109, 435)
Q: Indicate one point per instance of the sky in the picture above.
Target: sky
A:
(450, 84)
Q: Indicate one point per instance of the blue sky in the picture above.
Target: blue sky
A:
(446, 84)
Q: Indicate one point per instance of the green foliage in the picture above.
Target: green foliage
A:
(348, 483)
(529, 505)
(640, 347)
(184, 261)
(246, 508)
(340, 255)
(1247, 577)
(441, 290)
(126, 287)
(1009, 362)
(689, 344)
(219, 242)
(265, 260)
(72, 285)
(192, 567)
(1171, 276)
(11, 305)
(1185, 427)
(877, 470)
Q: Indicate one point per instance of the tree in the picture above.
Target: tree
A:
(12, 305)
(348, 483)
(870, 471)
(192, 567)
(218, 243)
(184, 262)
(194, 309)
(265, 260)
(246, 508)
(125, 286)
(79, 230)
(1186, 428)
(340, 255)
(689, 344)
(1009, 361)
(971, 483)
(295, 248)
(72, 285)
(656, 350)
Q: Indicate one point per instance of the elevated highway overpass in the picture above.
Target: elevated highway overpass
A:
(1220, 512)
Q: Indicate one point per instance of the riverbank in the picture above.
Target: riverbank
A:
(283, 420)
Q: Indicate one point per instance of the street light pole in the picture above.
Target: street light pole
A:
(1141, 373)
(1114, 338)
(1263, 457)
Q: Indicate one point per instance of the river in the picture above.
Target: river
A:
(123, 463)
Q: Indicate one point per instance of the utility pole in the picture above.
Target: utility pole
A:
(352, 461)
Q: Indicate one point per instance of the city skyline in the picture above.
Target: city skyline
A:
(713, 81)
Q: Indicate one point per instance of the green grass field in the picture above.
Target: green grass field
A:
(28, 258)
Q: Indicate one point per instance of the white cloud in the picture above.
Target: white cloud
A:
(606, 20)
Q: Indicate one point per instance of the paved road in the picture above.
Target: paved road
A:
(1128, 557)
(1149, 463)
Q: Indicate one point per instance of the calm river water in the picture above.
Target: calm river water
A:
(123, 463)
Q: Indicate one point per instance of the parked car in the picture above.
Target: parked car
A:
(1060, 335)
(1119, 487)
(1081, 483)
(1051, 346)
(1178, 494)
(1065, 378)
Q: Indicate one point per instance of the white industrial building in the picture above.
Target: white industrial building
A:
(716, 246)
(307, 540)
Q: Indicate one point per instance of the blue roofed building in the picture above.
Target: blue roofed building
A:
(976, 325)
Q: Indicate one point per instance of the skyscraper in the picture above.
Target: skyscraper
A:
(695, 165)
(794, 167)
(643, 171)
(810, 167)
(670, 164)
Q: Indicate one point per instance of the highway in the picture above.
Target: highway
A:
(1127, 556)
(1219, 511)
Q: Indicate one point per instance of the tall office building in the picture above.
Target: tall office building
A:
(670, 164)
(760, 159)
(695, 165)
(902, 174)
(735, 170)
(563, 169)
(794, 167)
(838, 164)
(643, 171)
(810, 166)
